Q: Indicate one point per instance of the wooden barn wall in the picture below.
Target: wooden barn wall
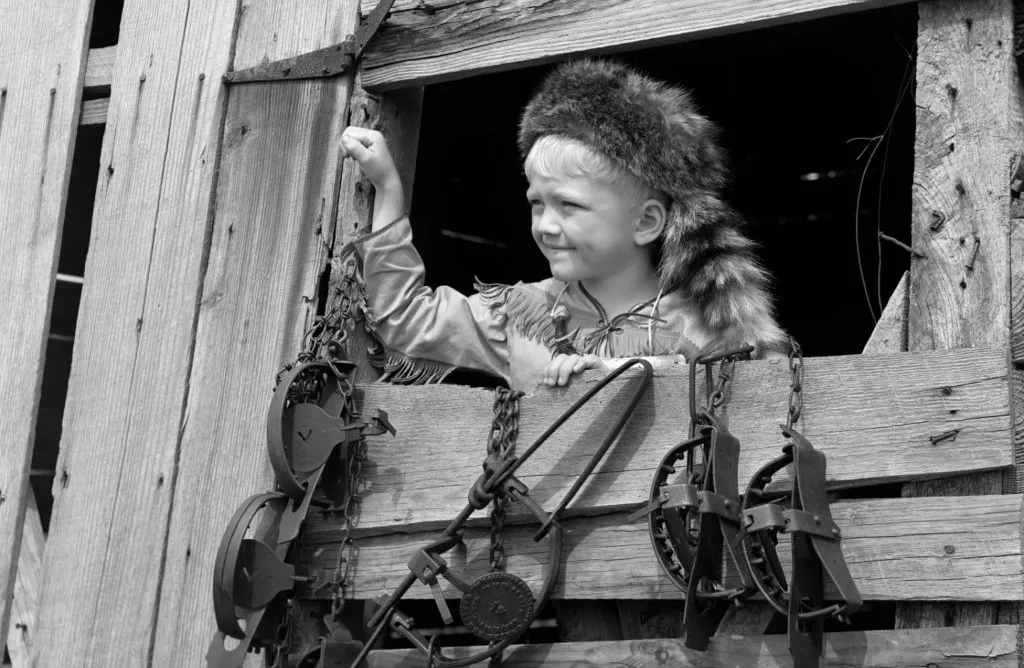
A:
(205, 252)
(133, 350)
(43, 48)
(970, 127)
(275, 209)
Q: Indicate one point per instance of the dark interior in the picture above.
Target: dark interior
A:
(796, 105)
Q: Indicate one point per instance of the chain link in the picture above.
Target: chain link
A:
(326, 339)
(725, 371)
(796, 383)
(283, 637)
(502, 442)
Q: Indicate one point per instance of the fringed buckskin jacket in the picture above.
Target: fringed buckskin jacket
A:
(506, 330)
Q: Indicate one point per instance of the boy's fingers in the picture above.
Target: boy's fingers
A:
(354, 148)
(567, 368)
(551, 370)
(362, 135)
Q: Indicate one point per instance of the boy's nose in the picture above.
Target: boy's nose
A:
(547, 223)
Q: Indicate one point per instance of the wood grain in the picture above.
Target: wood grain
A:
(968, 128)
(94, 112)
(941, 549)
(135, 336)
(43, 49)
(273, 213)
(99, 69)
(969, 124)
(977, 647)
(27, 586)
(890, 332)
(871, 415)
(425, 42)
(1017, 352)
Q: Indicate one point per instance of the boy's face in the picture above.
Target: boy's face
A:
(583, 226)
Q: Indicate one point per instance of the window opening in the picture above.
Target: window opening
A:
(794, 103)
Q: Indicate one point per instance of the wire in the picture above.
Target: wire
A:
(873, 144)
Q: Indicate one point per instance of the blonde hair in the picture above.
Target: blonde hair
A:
(552, 155)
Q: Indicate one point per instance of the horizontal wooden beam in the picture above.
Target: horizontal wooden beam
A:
(425, 42)
(943, 548)
(872, 416)
(94, 112)
(99, 69)
(972, 647)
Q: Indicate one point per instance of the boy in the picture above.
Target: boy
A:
(645, 257)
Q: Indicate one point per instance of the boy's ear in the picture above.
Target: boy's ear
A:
(651, 223)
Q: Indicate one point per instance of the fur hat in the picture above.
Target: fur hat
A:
(654, 131)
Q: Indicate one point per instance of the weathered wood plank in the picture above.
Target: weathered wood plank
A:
(94, 112)
(890, 333)
(974, 647)
(1017, 350)
(872, 415)
(27, 586)
(99, 69)
(969, 125)
(397, 116)
(273, 214)
(941, 549)
(429, 42)
(968, 129)
(135, 335)
(43, 48)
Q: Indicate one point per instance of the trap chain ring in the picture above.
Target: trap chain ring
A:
(759, 548)
(498, 606)
(677, 567)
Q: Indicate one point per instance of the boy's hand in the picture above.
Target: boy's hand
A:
(562, 367)
(370, 150)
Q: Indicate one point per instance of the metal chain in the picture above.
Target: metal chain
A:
(502, 442)
(796, 383)
(725, 371)
(326, 340)
(283, 636)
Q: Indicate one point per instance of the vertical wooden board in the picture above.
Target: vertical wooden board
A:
(25, 602)
(135, 335)
(274, 209)
(43, 47)
(969, 125)
(968, 128)
(397, 115)
(1017, 351)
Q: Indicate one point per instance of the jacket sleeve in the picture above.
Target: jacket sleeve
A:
(439, 325)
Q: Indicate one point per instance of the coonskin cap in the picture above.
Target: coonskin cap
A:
(654, 131)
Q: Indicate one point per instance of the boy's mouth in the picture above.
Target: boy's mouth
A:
(555, 247)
